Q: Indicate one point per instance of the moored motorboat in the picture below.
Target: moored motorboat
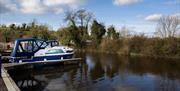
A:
(31, 50)
(54, 53)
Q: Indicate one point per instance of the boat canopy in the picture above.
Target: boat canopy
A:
(26, 48)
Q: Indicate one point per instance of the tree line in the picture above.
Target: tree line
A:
(85, 32)
(30, 30)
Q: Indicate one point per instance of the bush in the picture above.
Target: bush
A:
(109, 46)
(137, 43)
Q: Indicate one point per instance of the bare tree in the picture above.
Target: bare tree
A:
(84, 17)
(79, 18)
(168, 26)
(70, 16)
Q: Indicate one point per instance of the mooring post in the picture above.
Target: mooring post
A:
(0, 65)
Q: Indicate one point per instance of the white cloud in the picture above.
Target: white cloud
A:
(58, 10)
(9, 23)
(125, 2)
(31, 6)
(153, 17)
(156, 17)
(38, 6)
(7, 6)
(61, 2)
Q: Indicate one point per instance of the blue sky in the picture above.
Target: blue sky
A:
(137, 15)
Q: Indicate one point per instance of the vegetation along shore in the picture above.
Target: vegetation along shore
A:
(85, 33)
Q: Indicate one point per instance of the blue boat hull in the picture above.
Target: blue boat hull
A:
(43, 58)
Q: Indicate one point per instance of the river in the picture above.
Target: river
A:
(103, 72)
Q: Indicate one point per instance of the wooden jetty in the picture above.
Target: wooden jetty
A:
(65, 61)
(10, 84)
(8, 81)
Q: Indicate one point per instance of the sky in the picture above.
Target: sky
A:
(137, 15)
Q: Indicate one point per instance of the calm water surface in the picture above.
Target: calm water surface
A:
(103, 72)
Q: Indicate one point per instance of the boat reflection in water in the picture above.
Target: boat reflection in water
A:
(105, 72)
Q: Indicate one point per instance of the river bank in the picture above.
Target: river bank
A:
(131, 54)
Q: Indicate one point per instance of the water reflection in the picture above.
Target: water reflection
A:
(104, 72)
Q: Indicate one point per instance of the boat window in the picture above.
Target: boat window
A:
(54, 51)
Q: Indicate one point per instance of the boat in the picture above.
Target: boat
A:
(31, 50)
(54, 53)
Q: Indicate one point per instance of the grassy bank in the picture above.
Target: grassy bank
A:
(122, 54)
(138, 46)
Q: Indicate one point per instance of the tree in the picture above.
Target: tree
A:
(24, 26)
(97, 31)
(44, 34)
(13, 26)
(69, 36)
(65, 36)
(168, 26)
(83, 18)
(6, 35)
(70, 17)
(80, 18)
(79, 22)
(111, 33)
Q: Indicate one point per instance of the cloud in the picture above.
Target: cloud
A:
(31, 6)
(153, 17)
(58, 10)
(62, 2)
(9, 23)
(156, 17)
(125, 2)
(6, 6)
(38, 6)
